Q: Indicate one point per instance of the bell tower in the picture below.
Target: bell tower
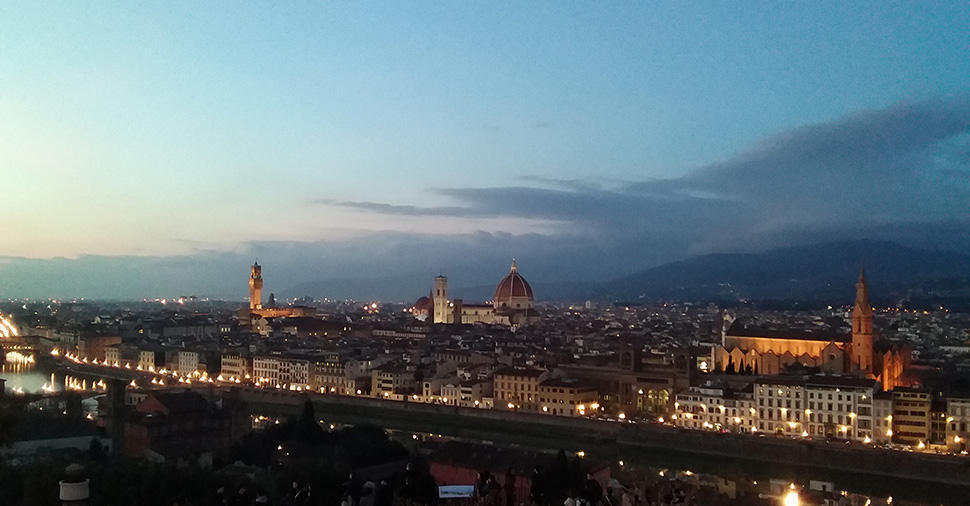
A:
(861, 354)
(256, 286)
(440, 298)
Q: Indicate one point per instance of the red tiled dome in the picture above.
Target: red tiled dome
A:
(514, 285)
(423, 304)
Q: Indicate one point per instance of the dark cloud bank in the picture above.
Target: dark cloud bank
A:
(900, 174)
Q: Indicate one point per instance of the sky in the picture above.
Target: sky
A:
(153, 150)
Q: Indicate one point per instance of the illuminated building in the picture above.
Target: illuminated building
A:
(911, 416)
(957, 422)
(750, 350)
(256, 287)
(518, 388)
(256, 311)
(513, 304)
(716, 408)
(394, 380)
(568, 396)
(235, 365)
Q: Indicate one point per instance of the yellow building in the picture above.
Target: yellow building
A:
(518, 388)
(568, 397)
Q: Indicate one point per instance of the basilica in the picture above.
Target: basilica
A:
(746, 349)
(513, 304)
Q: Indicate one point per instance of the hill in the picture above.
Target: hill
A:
(809, 272)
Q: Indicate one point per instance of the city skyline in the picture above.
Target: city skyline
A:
(338, 140)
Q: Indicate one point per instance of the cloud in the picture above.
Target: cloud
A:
(408, 210)
(900, 173)
(904, 164)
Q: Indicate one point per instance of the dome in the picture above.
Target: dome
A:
(423, 304)
(514, 285)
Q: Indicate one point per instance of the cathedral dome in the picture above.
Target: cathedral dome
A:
(514, 286)
(423, 304)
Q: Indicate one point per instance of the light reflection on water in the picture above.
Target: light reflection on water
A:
(39, 378)
(26, 376)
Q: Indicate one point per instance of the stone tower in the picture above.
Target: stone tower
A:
(441, 310)
(256, 286)
(861, 354)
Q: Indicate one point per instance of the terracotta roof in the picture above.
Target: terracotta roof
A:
(181, 402)
(514, 285)
(741, 329)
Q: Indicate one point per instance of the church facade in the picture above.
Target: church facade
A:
(751, 350)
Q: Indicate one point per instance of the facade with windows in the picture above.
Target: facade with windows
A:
(815, 406)
(716, 408)
(518, 388)
(957, 422)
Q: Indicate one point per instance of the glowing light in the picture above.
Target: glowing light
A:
(621, 416)
(867, 440)
(580, 454)
(791, 498)
(921, 445)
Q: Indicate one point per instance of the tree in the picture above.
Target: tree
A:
(96, 450)
(307, 428)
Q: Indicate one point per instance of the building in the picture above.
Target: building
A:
(185, 362)
(255, 311)
(291, 372)
(149, 359)
(841, 407)
(716, 408)
(513, 304)
(93, 347)
(568, 397)
(518, 388)
(882, 417)
(393, 380)
(635, 382)
(957, 422)
(180, 425)
(911, 416)
(747, 349)
(235, 366)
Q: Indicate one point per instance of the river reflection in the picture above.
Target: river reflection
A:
(38, 377)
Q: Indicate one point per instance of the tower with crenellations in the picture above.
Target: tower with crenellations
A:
(256, 286)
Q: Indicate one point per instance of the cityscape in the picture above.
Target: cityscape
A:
(485, 254)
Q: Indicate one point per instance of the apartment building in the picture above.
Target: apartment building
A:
(717, 408)
(518, 388)
(235, 366)
(911, 416)
(957, 422)
(568, 397)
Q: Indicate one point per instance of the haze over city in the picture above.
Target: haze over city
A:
(156, 150)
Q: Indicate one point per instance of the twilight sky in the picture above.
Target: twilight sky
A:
(155, 150)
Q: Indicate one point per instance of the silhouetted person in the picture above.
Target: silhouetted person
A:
(592, 490)
(537, 490)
